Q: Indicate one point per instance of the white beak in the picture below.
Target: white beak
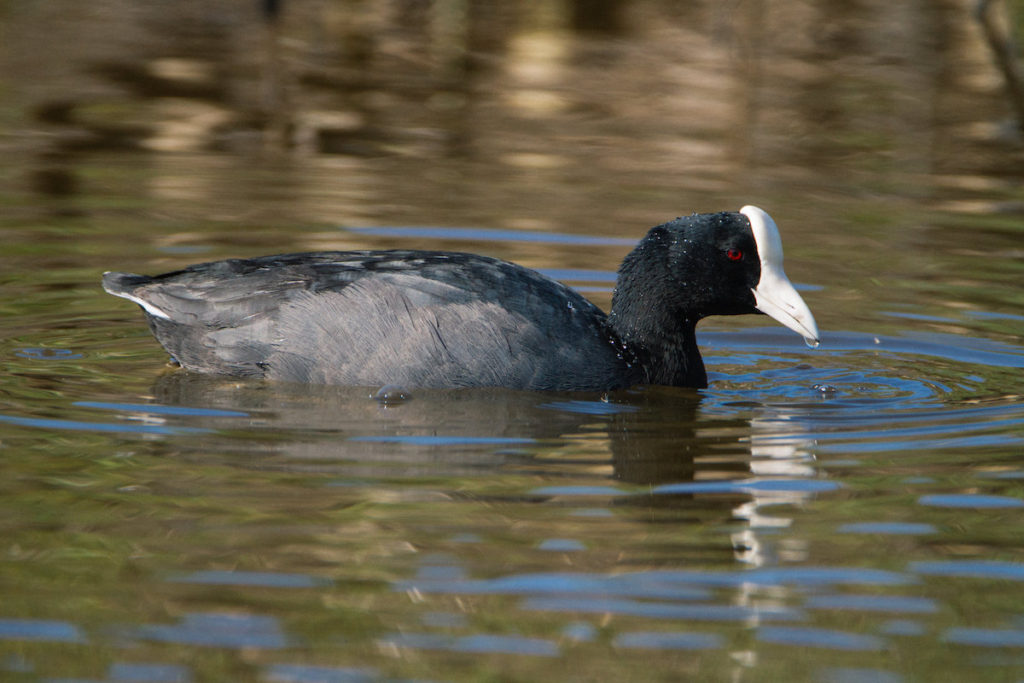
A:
(775, 294)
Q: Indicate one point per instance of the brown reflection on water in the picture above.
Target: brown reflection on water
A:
(359, 111)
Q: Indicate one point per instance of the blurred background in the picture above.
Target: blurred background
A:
(608, 114)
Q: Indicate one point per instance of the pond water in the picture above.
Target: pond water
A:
(848, 513)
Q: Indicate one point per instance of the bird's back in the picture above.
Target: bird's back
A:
(413, 318)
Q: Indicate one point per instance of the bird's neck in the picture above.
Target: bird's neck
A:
(671, 359)
(652, 325)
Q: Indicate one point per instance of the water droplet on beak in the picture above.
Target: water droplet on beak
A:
(812, 343)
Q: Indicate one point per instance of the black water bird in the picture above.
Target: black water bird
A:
(448, 319)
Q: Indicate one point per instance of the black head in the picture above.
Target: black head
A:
(711, 264)
(726, 263)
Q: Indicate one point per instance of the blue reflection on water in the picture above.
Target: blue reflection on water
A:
(892, 433)
(40, 629)
(969, 350)
(577, 491)
(656, 584)
(219, 630)
(978, 441)
(157, 409)
(562, 545)
(808, 576)
(569, 583)
(748, 486)
(985, 637)
(79, 426)
(228, 577)
(873, 603)
(658, 640)
(893, 528)
(590, 407)
(510, 644)
(988, 315)
(151, 673)
(304, 673)
(482, 643)
(975, 350)
(925, 428)
(47, 354)
(970, 500)
(592, 512)
(818, 637)
(661, 610)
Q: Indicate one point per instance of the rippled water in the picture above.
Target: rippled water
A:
(850, 513)
(845, 513)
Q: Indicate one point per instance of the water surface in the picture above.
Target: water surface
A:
(848, 513)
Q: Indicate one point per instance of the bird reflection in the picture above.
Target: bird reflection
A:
(648, 437)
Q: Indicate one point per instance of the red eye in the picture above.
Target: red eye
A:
(734, 254)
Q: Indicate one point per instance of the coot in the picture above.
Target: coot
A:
(447, 319)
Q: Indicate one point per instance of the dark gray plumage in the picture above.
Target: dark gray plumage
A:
(446, 319)
(357, 318)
